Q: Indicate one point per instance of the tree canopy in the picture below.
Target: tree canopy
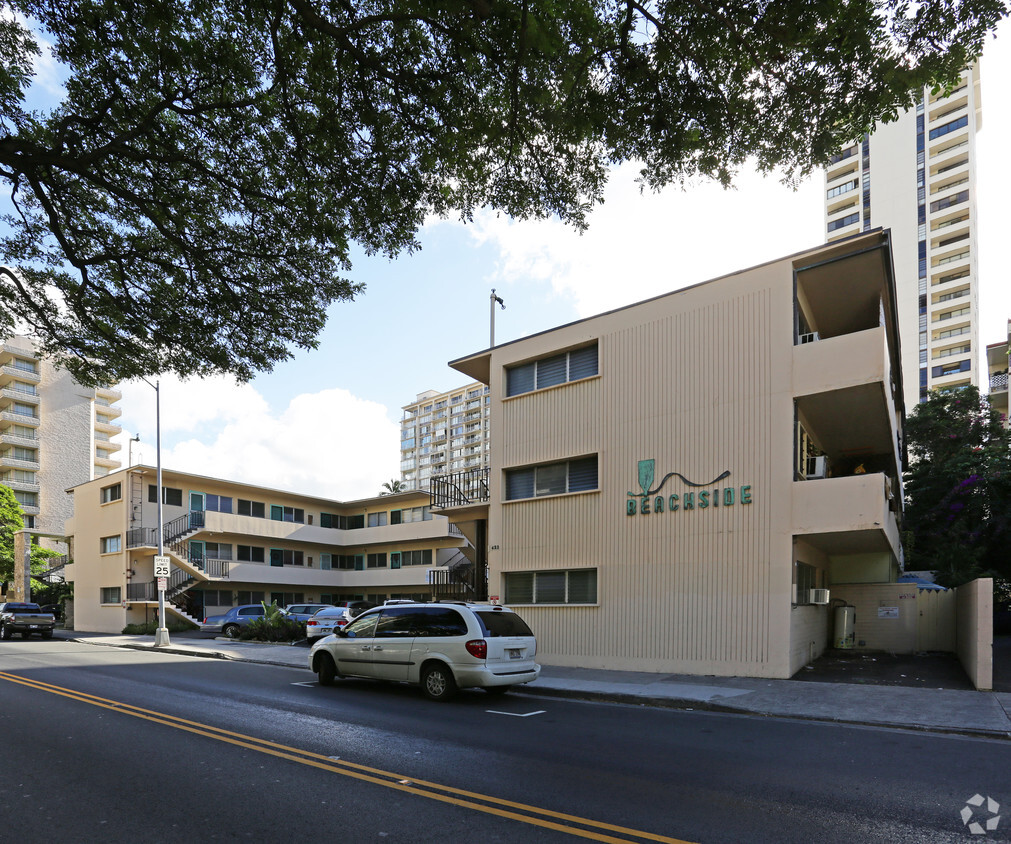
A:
(958, 488)
(191, 202)
(12, 520)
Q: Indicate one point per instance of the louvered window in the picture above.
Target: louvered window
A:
(552, 371)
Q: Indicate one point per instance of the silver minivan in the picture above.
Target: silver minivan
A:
(441, 646)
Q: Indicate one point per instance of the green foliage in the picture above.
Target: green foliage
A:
(275, 628)
(11, 521)
(958, 488)
(192, 202)
(392, 487)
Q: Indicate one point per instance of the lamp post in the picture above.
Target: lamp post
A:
(161, 636)
(494, 299)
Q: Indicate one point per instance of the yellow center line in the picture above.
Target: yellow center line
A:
(422, 788)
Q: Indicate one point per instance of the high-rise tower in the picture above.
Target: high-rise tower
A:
(917, 176)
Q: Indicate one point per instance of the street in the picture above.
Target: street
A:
(106, 744)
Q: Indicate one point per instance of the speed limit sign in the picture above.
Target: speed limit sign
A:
(161, 566)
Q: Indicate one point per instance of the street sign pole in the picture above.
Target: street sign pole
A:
(161, 636)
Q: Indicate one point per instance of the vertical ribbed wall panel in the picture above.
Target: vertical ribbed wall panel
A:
(693, 389)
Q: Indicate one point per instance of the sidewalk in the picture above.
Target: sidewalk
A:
(932, 710)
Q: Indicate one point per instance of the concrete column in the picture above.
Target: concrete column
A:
(22, 565)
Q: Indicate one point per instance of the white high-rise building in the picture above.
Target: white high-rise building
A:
(917, 177)
(444, 433)
(54, 434)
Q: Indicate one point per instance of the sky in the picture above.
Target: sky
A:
(327, 422)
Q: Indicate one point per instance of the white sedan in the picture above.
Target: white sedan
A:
(325, 622)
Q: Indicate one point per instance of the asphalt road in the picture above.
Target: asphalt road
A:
(111, 745)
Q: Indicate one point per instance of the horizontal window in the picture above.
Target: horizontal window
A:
(842, 222)
(27, 499)
(218, 550)
(377, 519)
(257, 509)
(953, 126)
(111, 595)
(250, 554)
(286, 557)
(951, 368)
(552, 479)
(112, 493)
(376, 561)
(416, 558)
(551, 371)
(948, 201)
(111, 544)
(218, 503)
(169, 496)
(573, 586)
(250, 597)
(845, 187)
(216, 597)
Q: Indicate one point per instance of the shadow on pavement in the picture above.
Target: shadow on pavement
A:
(923, 671)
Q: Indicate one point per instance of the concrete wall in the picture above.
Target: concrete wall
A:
(886, 615)
(974, 631)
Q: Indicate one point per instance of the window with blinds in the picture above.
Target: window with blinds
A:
(552, 479)
(567, 586)
(551, 371)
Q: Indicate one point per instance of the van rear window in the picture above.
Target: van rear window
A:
(502, 624)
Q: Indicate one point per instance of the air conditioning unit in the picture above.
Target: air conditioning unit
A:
(810, 338)
(819, 596)
(816, 467)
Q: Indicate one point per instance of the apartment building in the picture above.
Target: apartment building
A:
(232, 543)
(444, 432)
(54, 433)
(687, 484)
(997, 364)
(917, 177)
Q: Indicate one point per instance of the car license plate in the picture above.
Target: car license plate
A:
(33, 626)
(515, 654)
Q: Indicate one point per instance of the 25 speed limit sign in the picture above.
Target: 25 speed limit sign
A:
(161, 566)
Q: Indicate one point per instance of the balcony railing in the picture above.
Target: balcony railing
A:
(998, 382)
(461, 488)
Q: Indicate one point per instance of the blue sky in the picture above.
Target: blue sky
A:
(327, 422)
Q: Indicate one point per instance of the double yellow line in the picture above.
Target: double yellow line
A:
(572, 824)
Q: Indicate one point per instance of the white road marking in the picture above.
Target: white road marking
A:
(515, 714)
(307, 684)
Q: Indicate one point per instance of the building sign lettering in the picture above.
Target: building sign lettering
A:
(650, 501)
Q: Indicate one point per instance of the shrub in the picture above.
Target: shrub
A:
(175, 625)
(273, 628)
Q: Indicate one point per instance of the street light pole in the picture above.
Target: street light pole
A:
(494, 299)
(161, 636)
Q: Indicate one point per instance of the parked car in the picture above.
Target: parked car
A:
(325, 622)
(303, 612)
(441, 646)
(353, 609)
(230, 623)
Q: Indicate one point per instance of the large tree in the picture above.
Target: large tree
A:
(958, 488)
(12, 520)
(191, 202)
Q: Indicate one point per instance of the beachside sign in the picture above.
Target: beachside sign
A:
(701, 496)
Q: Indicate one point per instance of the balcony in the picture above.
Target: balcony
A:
(105, 411)
(848, 515)
(998, 382)
(18, 486)
(8, 438)
(30, 420)
(12, 394)
(462, 492)
(12, 372)
(14, 463)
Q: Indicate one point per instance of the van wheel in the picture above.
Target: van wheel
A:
(437, 682)
(231, 631)
(325, 669)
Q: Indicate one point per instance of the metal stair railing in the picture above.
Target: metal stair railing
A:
(461, 488)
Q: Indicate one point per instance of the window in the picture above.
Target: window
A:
(216, 597)
(111, 595)
(548, 372)
(218, 550)
(353, 522)
(249, 554)
(287, 514)
(376, 561)
(286, 557)
(256, 509)
(169, 496)
(806, 578)
(326, 564)
(552, 479)
(953, 126)
(574, 586)
(27, 499)
(377, 519)
(416, 558)
(251, 597)
(845, 187)
(218, 503)
(948, 201)
(111, 544)
(112, 493)
(842, 222)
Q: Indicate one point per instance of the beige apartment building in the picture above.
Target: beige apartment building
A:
(444, 432)
(689, 483)
(54, 433)
(232, 543)
(917, 177)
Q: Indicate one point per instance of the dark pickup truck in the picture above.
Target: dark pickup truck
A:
(24, 618)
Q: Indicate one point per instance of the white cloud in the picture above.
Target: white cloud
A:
(642, 245)
(329, 443)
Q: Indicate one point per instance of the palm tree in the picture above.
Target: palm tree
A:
(392, 487)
